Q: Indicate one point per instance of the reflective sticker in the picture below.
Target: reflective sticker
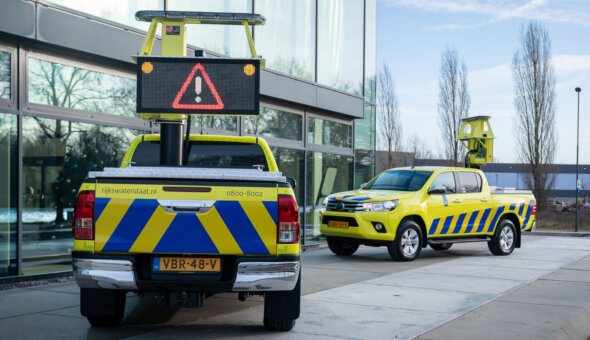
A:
(131, 225)
(447, 224)
(99, 204)
(471, 221)
(153, 231)
(219, 233)
(495, 219)
(512, 206)
(109, 220)
(241, 228)
(483, 220)
(520, 210)
(459, 223)
(528, 214)
(186, 234)
(433, 226)
(444, 197)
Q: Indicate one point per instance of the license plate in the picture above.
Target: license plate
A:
(338, 224)
(187, 264)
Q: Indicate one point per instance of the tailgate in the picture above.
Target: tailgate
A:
(186, 217)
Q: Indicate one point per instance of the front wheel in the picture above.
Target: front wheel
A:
(502, 243)
(342, 245)
(408, 242)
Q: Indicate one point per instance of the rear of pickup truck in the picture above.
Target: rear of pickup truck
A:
(226, 222)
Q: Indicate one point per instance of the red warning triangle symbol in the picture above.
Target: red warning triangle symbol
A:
(219, 103)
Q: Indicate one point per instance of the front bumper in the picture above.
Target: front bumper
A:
(364, 228)
(251, 275)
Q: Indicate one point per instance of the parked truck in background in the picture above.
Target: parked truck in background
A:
(406, 209)
(227, 221)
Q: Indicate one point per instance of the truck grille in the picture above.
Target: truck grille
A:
(344, 206)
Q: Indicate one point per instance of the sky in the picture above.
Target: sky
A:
(411, 35)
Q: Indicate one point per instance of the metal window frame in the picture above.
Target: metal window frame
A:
(330, 148)
(11, 103)
(280, 142)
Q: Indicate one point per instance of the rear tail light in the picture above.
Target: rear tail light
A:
(83, 224)
(288, 231)
(535, 207)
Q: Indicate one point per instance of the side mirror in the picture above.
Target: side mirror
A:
(437, 189)
(292, 182)
(363, 185)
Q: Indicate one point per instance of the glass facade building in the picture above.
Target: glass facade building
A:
(67, 105)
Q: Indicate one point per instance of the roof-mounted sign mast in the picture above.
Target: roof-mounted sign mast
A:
(477, 136)
(172, 86)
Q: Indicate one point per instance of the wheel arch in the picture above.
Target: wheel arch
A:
(514, 219)
(418, 220)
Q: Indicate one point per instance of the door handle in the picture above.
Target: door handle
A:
(484, 200)
(457, 201)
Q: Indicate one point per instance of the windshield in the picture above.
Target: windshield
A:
(400, 180)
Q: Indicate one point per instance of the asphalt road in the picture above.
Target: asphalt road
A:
(542, 290)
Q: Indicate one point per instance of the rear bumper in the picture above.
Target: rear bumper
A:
(121, 272)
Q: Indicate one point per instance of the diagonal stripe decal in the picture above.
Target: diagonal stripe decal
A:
(447, 224)
(471, 222)
(131, 225)
(265, 225)
(459, 223)
(241, 228)
(483, 220)
(186, 234)
(512, 206)
(433, 226)
(99, 204)
(152, 232)
(109, 220)
(495, 219)
(219, 233)
(520, 210)
(528, 214)
(273, 210)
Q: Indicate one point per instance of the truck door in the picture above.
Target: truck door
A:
(475, 206)
(441, 207)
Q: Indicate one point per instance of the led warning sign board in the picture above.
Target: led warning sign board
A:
(212, 86)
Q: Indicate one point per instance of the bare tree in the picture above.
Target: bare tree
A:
(453, 104)
(388, 126)
(418, 149)
(534, 81)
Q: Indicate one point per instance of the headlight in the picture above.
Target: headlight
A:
(381, 206)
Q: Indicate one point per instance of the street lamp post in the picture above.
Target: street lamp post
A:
(577, 152)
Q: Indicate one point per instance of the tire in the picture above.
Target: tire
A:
(408, 242)
(504, 239)
(441, 246)
(102, 307)
(342, 245)
(281, 309)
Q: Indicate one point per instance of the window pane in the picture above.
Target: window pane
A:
(291, 163)
(225, 39)
(364, 144)
(469, 182)
(76, 88)
(121, 11)
(287, 40)
(4, 75)
(275, 124)
(326, 174)
(340, 44)
(370, 49)
(327, 132)
(446, 180)
(223, 123)
(8, 194)
(57, 156)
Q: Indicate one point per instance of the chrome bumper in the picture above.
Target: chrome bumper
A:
(109, 274)
(266, 276)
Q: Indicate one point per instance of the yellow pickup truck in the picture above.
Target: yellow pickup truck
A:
(227, 221)
(407, 209)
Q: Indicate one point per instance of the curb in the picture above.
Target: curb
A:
(558, 233)
(578, 327)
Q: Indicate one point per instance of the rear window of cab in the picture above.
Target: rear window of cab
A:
(205, 154)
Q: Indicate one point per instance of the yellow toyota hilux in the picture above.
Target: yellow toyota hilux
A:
(407, 209)
(226, 221)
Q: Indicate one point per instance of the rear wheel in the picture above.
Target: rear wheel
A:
(281, 309)
(342, 245)
(503, 241)
(102, 307)
(441, 246)
(408, 242)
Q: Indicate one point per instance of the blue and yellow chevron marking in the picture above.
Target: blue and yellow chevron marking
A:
(520, 210)
(492, 225)
(459, 223)
(433, 227)
(229, 227)
(512, 207)
(529, 211)
(471, 221)
(483, 220)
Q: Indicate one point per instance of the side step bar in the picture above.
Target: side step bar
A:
(458, 240)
